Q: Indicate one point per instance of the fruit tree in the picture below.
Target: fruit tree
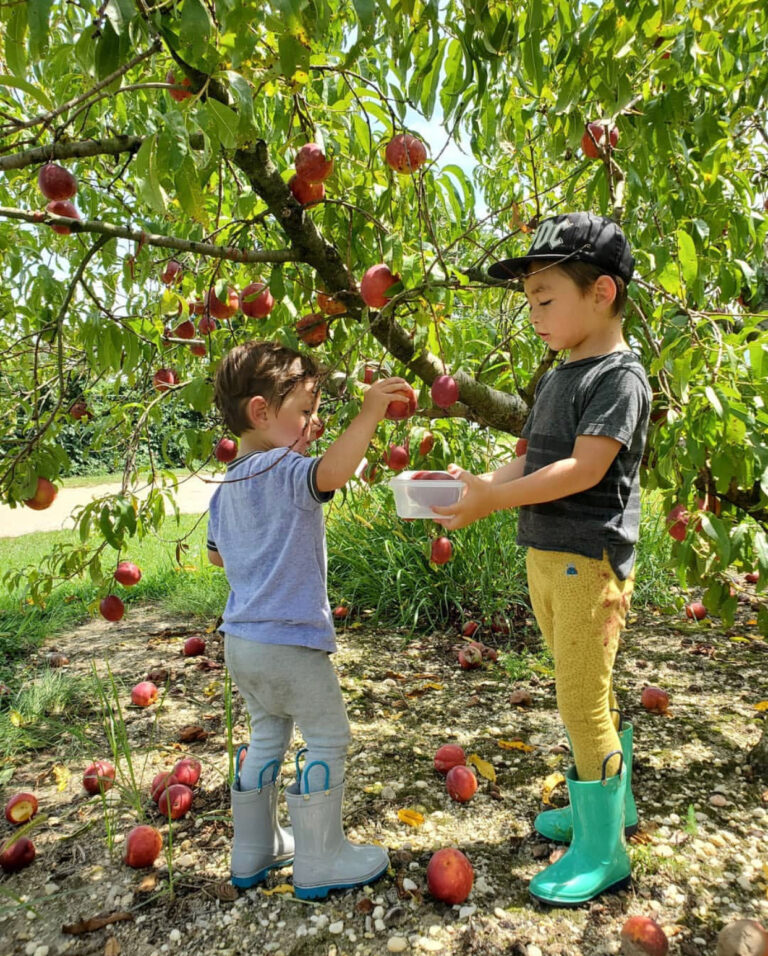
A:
(158, 159)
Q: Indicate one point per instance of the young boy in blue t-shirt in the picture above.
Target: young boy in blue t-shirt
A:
(266, 530)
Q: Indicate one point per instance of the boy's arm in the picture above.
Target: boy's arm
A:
(215, 558)
(590, 460)
(341, 459)
(509, 472)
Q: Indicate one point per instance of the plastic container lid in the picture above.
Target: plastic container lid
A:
(415, 497)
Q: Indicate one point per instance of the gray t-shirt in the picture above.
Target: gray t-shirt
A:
(604, 395)
(266, 522)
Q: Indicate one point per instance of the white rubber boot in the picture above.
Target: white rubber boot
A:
(324, 859)
(260, 844)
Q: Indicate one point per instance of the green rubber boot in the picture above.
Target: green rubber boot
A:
(597, 859)
(557, 825)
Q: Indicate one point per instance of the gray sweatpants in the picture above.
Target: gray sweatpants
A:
(283, 685)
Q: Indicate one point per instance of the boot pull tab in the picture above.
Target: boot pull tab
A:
(275, 772)
(617, 710)
(305, 785)
(299, 754)
(240, 749)
(613, 753)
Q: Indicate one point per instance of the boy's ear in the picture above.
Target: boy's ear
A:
(605, 290)
(256, 411)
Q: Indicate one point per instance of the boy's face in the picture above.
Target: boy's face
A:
(295, 424)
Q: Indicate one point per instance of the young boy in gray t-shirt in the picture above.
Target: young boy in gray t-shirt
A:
(577, 489)
(266, 530)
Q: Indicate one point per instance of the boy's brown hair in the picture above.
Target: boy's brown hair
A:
(258, 368)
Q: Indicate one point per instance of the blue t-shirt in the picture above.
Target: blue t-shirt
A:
(266, 522)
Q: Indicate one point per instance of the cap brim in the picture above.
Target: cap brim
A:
(515, 268)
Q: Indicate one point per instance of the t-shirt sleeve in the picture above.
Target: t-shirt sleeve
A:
(615, 407)
(302, 474)
(212, 511)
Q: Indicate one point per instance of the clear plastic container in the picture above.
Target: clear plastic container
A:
(415, 497)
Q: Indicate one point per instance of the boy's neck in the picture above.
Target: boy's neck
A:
(251, 441)
(608, 340)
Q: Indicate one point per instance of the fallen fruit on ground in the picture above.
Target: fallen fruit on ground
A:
(450, 876)
(695, 610)
(305, 192)
(441, 551)
(144, 693)
(444, 391)
(219, 309)
(62, 207)
(677, 522)
(225, 450)
(752, 577)
(469, 628)
(743, 937)
(172, 273)
(311, 164)
(598, 131)
(164, 378)
(142, 846)
(655, 700)
(405, 153)
(20, 808)
(17, 856)
(188, 771)
(470, 657)
(642, 936)
(398, 410)
(312, 329)
(99, 776)
(396, 457)
(111, 607)
(128, 574)
(340, 612)
(45, 493)
(256, 300)
(461, 784)
(175, 801)
(194, 646)
(448, 756)
(375, 283)
(161, 781)
(55, 182)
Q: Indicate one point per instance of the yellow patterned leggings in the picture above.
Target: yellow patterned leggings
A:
(581, 608)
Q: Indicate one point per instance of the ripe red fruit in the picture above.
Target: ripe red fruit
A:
(111, 607)
(441, 551)
(45, 493)
(219, 309)
(256, 300)
(695, 610)
(742, 937)
(175, 801)
(142, 846)
(655, 700)
(449, 755)
(374, 284)
(194, 646)
(127, 574)
(197, 348)
(444, 391)
(188, 771)
(469, 628)
(164, 378)
(396, 457)
(326, 303)
(426, 444)
(20, 808)
(405, 153)
(450, 876)
(78, 410)
(161, 781)
(178, 95)
(470, 657)
(521, 447)
(642, 936)
(312, 329)
(56, 182)
(17, 856)
(305, 192)
(598, 131)
(677, 522)
(368, 473)
(172, 273)
(752, 577)
(100, 775)
(197, 307)
(340, 612)
(461, 784)
(62, 207)
(185, 330)
(369, 375)
(144, 693)
(206, 325)
(311, 164)
(398, 410)
(225, 450)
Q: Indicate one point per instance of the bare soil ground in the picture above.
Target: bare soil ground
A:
(699, 860)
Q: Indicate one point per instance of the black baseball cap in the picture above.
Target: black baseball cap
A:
(579, 236)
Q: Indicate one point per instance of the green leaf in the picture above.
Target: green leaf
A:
(33, 91)
(365, 10)
(107, 51)
(15, 52)
(38, 13)
(224, 123)
(146, 169)
(195, 27)
(188, 191)
(686, 252)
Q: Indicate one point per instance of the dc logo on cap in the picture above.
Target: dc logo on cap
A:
(548, 234)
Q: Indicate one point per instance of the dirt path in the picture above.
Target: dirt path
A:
(192, 498)
(698, 861)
